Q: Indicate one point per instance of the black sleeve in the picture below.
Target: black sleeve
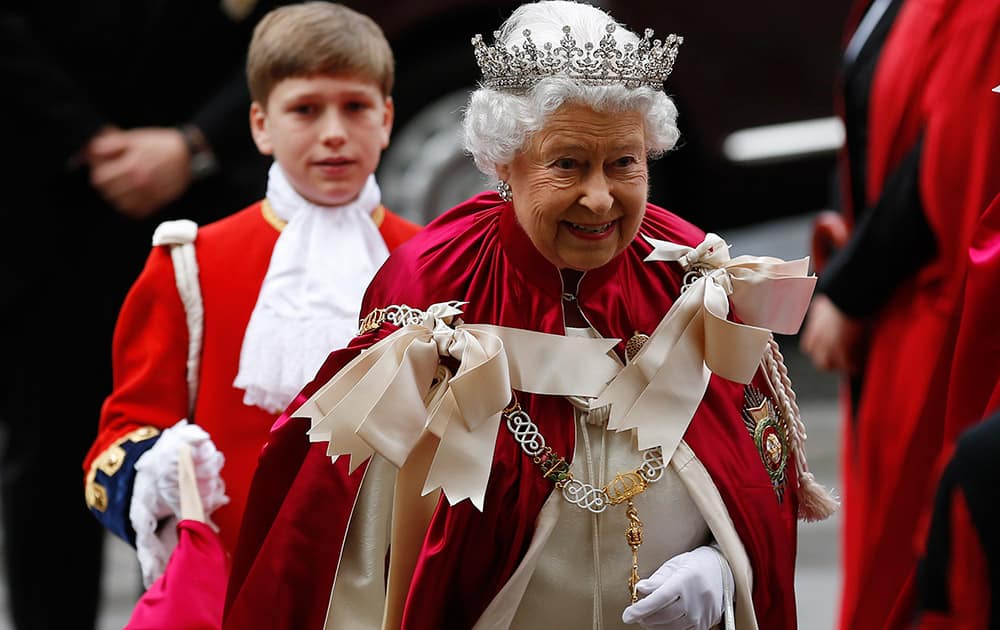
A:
(890, 244)
(974, 472)
(41, 96)
(224, 116)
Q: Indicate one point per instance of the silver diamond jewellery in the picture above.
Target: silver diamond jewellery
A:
(517, 69)
(503, 189)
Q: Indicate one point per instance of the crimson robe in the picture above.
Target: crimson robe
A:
(933, 81)
(962, 550)
(300, 503)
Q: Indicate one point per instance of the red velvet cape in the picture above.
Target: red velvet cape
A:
(151, 346)
(934, 78)
(300, 502)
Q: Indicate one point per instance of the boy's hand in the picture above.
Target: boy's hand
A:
(831, 339)
(139, 171)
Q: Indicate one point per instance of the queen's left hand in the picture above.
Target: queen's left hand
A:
(686, 593)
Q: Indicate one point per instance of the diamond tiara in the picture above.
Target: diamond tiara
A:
(646, 64)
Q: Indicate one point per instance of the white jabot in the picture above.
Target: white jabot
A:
(311, 297)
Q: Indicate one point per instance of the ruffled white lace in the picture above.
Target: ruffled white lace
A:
(311, 297)
(156, 493)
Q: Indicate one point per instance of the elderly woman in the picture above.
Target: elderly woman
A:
(549, 419)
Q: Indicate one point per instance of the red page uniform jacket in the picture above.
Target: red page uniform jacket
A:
(150, 391)
(300, 561)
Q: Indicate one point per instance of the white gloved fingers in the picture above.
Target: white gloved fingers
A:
(645, 587)
(681, 623)
(661, 599)
(660, 590)
(648, 585)
(690, 593)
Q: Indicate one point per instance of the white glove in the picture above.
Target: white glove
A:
(688, 592)
(156, 493)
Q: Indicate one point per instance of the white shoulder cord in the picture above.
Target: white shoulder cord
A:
(180, 236)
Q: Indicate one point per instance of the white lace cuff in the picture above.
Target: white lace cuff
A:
(156, 493)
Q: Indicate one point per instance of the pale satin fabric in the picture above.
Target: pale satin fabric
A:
(566, 572)
(656, 394)
(500, 613)
(359, 595)
(389, 388)
(356, 593)
(310, 300)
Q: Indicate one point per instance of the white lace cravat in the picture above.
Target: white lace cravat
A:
(311, 297)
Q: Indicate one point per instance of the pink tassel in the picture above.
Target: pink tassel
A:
(816, 503)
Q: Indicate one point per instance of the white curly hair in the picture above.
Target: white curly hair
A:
(497, 125)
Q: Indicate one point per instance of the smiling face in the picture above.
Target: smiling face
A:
(580, 185)
(327, 132)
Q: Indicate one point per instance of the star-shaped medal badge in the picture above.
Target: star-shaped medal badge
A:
(769, 431)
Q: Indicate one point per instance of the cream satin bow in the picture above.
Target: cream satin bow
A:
(382, 401)
(658, 392)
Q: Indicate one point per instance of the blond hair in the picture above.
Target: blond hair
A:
(311, 38)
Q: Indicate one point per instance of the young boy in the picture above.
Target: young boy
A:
(281, 284)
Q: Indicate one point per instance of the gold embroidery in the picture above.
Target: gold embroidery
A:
(372, 321)
(378, 215)
(110, 462)
(97, 496)
(401, 315)
(271, 216)
(267, 211)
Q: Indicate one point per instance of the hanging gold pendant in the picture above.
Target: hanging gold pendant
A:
(633, 536)
(769, 431)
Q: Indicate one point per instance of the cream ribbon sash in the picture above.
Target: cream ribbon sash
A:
(658, 392)
(376, 403)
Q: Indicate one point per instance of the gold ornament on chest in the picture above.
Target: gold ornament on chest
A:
(624, 487)
(769, 431)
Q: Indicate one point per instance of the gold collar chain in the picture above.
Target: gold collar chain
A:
(622, 489)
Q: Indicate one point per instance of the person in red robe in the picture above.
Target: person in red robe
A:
(525, 433)
(956, 581)
(957, 586)
(228, 321)
(928, 165)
